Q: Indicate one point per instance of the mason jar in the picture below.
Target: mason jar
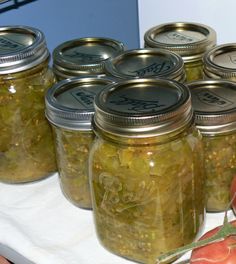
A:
(146, 168)
(214, 102)
(143, 63)
(189, 40)
(26, 144)
(84, 56)
(69, 108)
(220, 62)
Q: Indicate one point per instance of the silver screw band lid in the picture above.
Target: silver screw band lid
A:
(143, 63)
(214, 104)
(143, 107)
(220, 62)
(84, 56)
(21, 48)
(190, 40)
(69, 103)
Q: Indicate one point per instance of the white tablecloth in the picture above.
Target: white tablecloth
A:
(38, 225)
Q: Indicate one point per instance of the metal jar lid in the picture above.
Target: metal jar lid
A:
(220, 62)
(190, 40)
(214, 104)
(142, 63)
(69, 103)
(84, 56)
(143, 108)
(21, 48)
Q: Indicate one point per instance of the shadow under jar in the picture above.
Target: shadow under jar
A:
(146, 169)
(69, 108)
(26, 144)
(189, 40)
(215, 117)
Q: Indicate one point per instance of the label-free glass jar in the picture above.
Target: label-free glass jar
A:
(220, 62)
(214, 102)
(26, 144)
(146, 168)
(69, 108)
(142, 63)
(84, 56)
(190, 40)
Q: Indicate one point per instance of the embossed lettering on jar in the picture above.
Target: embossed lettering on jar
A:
(26, 145)
(215, 108)
(146, 169)
(189, 40)
(69, 108)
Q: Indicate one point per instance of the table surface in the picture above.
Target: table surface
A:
(39, 225)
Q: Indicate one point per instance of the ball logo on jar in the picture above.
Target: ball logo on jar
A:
(232, 58)
(180, 37)
(154, 68)
(9, 44)
(84, 97)
(84, 56)
(137, 105)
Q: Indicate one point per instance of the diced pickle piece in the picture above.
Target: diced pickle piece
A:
(194, 71)
(26, 143)
(72, 149)
(220, 166)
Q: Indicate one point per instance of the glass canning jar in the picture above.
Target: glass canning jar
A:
(220, 62)
(189, 40)
(84, 56)
(69, 107)
(146, 168)
(145, 63)
(215, 108)
(26, 144)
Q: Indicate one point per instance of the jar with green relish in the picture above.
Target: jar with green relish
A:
(146, 168)
(215, 108)
(145, 63)
(220, 62)
(26, 144)
(69, 108)
(189, 40)
(84, 56)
